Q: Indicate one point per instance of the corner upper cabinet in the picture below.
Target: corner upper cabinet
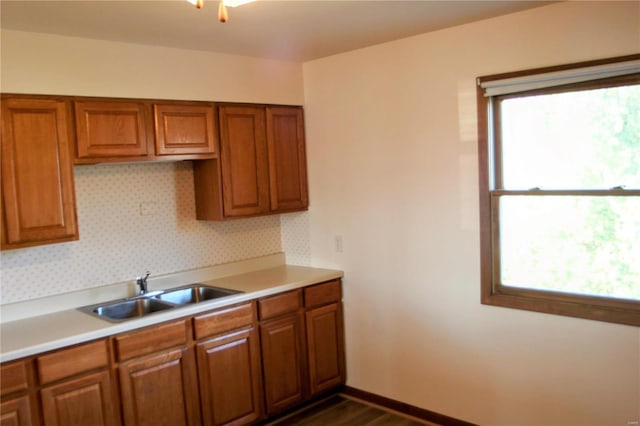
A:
(287, 159)
(38, 196)
(184, 129)
(243, 146)
(110, 130)
(262, 165)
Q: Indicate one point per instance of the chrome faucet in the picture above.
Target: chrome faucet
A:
(142, 283)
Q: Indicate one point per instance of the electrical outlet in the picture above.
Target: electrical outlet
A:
(338, 243)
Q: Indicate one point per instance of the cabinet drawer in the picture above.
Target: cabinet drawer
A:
(13, 377)
(322, 294)
(224, 320)
(280, 304)
(151, 340)
(67, 362)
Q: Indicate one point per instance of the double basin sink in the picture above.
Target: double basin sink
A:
(157, 301)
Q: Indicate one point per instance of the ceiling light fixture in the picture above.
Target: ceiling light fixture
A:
(223, 15)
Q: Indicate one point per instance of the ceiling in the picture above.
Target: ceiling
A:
(298, 31)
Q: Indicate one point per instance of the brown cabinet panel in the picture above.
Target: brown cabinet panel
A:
(322, 294)
(184, 129)
(160, 389)
(38, 198)
(67, 362)
(280, 304)
(262, 165)
(15, 412)
(245, 174)
(110, 128)
(224, 320)
(18, 402)
(152, 339)
(325, 345)
(283, 362)
(287, 159)
(87, 400)
(230, 382)
(13, 377)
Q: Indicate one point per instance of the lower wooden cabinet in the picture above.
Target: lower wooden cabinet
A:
(283, 353)
(158, 377)
(85, 400)
(77, 387)
(235, 365)
(325, 336)
(325, 348)
(18, 406)
(230, 382)
(159, 389)
(16, 411)
(229, 366)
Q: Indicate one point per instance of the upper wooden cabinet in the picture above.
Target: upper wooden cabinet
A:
(38, 196)
(245, 187)
(287, 159)
(110, 129)
(184, 129)
(262, 165)
(117, 130)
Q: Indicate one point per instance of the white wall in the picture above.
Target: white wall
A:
(48, 64)
(391, 141)
(116, 242)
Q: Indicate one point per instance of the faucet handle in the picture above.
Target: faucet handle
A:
(142, 282)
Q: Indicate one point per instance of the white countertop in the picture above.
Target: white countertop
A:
(28, 334)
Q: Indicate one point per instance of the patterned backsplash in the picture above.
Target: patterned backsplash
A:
(139, 217)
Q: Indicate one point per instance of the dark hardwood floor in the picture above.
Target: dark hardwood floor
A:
(340, 411)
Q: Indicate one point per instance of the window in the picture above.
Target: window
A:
(559, 154)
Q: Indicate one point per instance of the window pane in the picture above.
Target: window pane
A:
(588, 139)
(573, 244)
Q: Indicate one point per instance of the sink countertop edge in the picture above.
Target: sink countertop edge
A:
(38, 334)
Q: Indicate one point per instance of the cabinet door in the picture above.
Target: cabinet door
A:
(87, 400)
(244, 168)
(160, 389)
(230, 384)
(38, 200)
(325, 344)
(184, 129)
(15, 412)
(287, 159)
(283, 363)
(110, 129)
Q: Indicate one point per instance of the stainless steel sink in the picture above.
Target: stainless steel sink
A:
(142, 305)
(127, 309)
(194, 294)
